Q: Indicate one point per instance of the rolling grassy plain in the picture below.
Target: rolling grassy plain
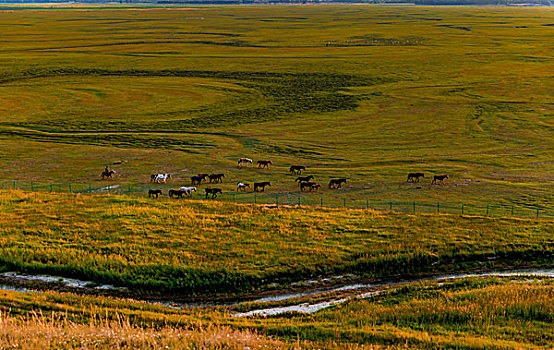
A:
(364, 92)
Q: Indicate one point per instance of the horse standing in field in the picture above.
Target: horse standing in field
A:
(215, 178)
(337, 183)
(176, 193)
(188, 190)
(308, 185)
(197, 179)
(297, 169)
(241, 186)
(212, 191)
(301, 179)
(161, 178)
(152, 193)
(414, 177)
(262, 185)
(244, 162)
(439, 178)
(264, 163)
(107, 174)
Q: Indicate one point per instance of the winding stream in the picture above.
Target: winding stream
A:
(360, 290)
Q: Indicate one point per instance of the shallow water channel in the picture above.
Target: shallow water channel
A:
(355, 291)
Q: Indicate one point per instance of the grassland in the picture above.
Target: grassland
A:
(364, 92)
(201, 248)
(462, 314)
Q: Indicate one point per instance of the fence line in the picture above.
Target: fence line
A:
(296, 199)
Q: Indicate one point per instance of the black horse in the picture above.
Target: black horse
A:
(197, 179)
(262, 185)
(439, 178)
(212, 191)
(264, 163)
(297, 169)
(152, 193)
(176, 193)
(301, 179)
(337, 183)
(307, 185)
(414, 177)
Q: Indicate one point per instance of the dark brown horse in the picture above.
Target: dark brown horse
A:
(439, 178)
(262, 185)
(337, 183)
(414, 177)
(307, 185)
(107, 174)
(176, 193)
(215, 178)
(264, 163)
(212, 191)
(297, 169)
(301, 179)
(152, 193)
(197, 179)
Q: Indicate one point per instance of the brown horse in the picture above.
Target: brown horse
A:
(439, 178)
(212, 191)
(215, 178)
(297, 169)
(197, 179)
(337, 183)
(307, 185)
(414, 177)
(152, 193)
(264, 163)
(107, 174)
(261, 185)
(301, 179)
(176, 193)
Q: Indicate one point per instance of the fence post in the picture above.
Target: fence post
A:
(537, 211)
(234, 201)
(14, 184)
(487, 209)
(344, 202)
(89, 189)
(109, 188)
(462, 208)
(128, 188)
(438, 207)
(299, 200)
(367, 203)
(414, 206)
(321, 201)
(390, 206)
(50, 187)
(512, 210)
(32, 187)
(276, 199)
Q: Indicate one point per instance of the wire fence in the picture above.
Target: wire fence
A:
(301, 199)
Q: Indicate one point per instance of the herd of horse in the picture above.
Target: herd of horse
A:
(306, 183)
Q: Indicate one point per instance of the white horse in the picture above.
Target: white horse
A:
(188, 190)
(244, 161)
(241, 186)
(161, 178)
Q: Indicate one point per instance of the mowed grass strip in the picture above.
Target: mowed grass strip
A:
(205, 247)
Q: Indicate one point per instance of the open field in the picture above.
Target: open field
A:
(364, 92)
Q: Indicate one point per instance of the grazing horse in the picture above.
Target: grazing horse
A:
(107, 174)
(197, 179)
(264, 163)
(161, 178)
(188, 190)
(215, 178)
(262, 185)
(176, 193)
(314, 187)
(152, 193)
(308, 185)
(301, 179)
(337, 183)
(297, 169)
(440, 178)
(244, 161)
(212, 191)
(241, 186)
(414, 177)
